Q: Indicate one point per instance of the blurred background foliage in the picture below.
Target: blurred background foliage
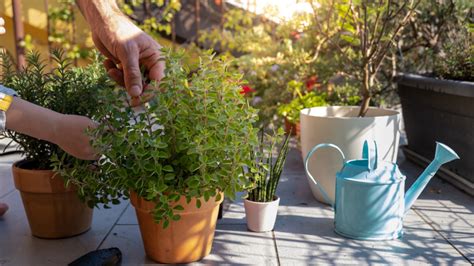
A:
(289, 61)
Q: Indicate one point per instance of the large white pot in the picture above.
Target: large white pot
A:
(341, 125)
(261, 216)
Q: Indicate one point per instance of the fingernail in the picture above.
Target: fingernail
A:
(135, 91)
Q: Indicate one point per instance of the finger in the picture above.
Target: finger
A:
(157, 70)
(2, 30)
(103, 50)
(117, 76)
(2, 21)
(113, 72)
(132, 74)
(109, 64)
(150, 57)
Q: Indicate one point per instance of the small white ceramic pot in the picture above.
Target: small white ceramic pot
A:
(261, 216)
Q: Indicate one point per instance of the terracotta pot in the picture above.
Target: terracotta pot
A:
(186, 240)
(261, 216)
(53, 211)
(341, 125)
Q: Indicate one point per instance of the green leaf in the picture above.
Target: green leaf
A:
(178, 208)
(198, 203)
(168, 168)
(166, 223)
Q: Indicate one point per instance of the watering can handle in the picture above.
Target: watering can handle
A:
(306, 161)
(370, 153)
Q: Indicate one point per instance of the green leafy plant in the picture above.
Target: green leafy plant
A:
(265, 171)
(62, 30)
(271, 54)
(64, 89)
(291, 110)
(190, 140)
(340, 95)
(437, 24)
(457, 60)
(368, 31)
(155, 17)
(343, 94)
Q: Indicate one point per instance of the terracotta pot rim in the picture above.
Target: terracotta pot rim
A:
(18, 168)
(39, 181)
(135, 198)
(276, 198)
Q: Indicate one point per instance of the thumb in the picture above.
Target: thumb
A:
(132, 74)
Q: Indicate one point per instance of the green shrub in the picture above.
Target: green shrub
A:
(291, 111)
(64, 89)
(457, 60)
(190, 140)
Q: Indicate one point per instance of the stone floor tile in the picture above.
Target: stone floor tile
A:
(19, 247)
(233, 244)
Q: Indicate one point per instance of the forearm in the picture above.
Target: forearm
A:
(33, 120)
(95, 11)
(66, 131)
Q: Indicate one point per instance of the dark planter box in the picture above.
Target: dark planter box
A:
(440, 110)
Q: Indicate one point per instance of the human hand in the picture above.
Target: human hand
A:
(127, 48)
(70, 135)
(66, 131)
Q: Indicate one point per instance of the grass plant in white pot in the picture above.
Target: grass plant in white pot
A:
(362, 46)
(261, 203)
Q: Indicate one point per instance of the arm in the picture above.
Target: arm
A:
(123, 44)
(67, 131)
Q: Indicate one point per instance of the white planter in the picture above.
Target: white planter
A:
(261, 216)
(341, 126)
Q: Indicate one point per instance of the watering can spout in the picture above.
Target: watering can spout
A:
(443, 154)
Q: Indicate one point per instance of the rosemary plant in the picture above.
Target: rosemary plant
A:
(59, 87)
(266, 171)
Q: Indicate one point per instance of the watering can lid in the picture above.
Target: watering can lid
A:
(369, 170)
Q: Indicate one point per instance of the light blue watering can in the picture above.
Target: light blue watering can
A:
(370, 195)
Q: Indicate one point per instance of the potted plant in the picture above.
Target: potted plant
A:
(303, 99)
(261, 202)
(367, 31)
(439, 107)
(175, 158)
(53, 208)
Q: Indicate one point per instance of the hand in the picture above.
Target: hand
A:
(71, 137)
(2, 26)
(66, 131)
(126, 48)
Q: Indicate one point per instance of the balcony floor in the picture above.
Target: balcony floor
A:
(438, 230)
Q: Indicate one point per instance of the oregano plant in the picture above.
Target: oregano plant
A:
(190, 140)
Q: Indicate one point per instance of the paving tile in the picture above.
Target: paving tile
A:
(310, 239)
(6, 179)
(294, 161)
(304, 235)
(233, 244)
(19, 247)
(441, 218)
(128, 217)
(234, 212)
(446, 208)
